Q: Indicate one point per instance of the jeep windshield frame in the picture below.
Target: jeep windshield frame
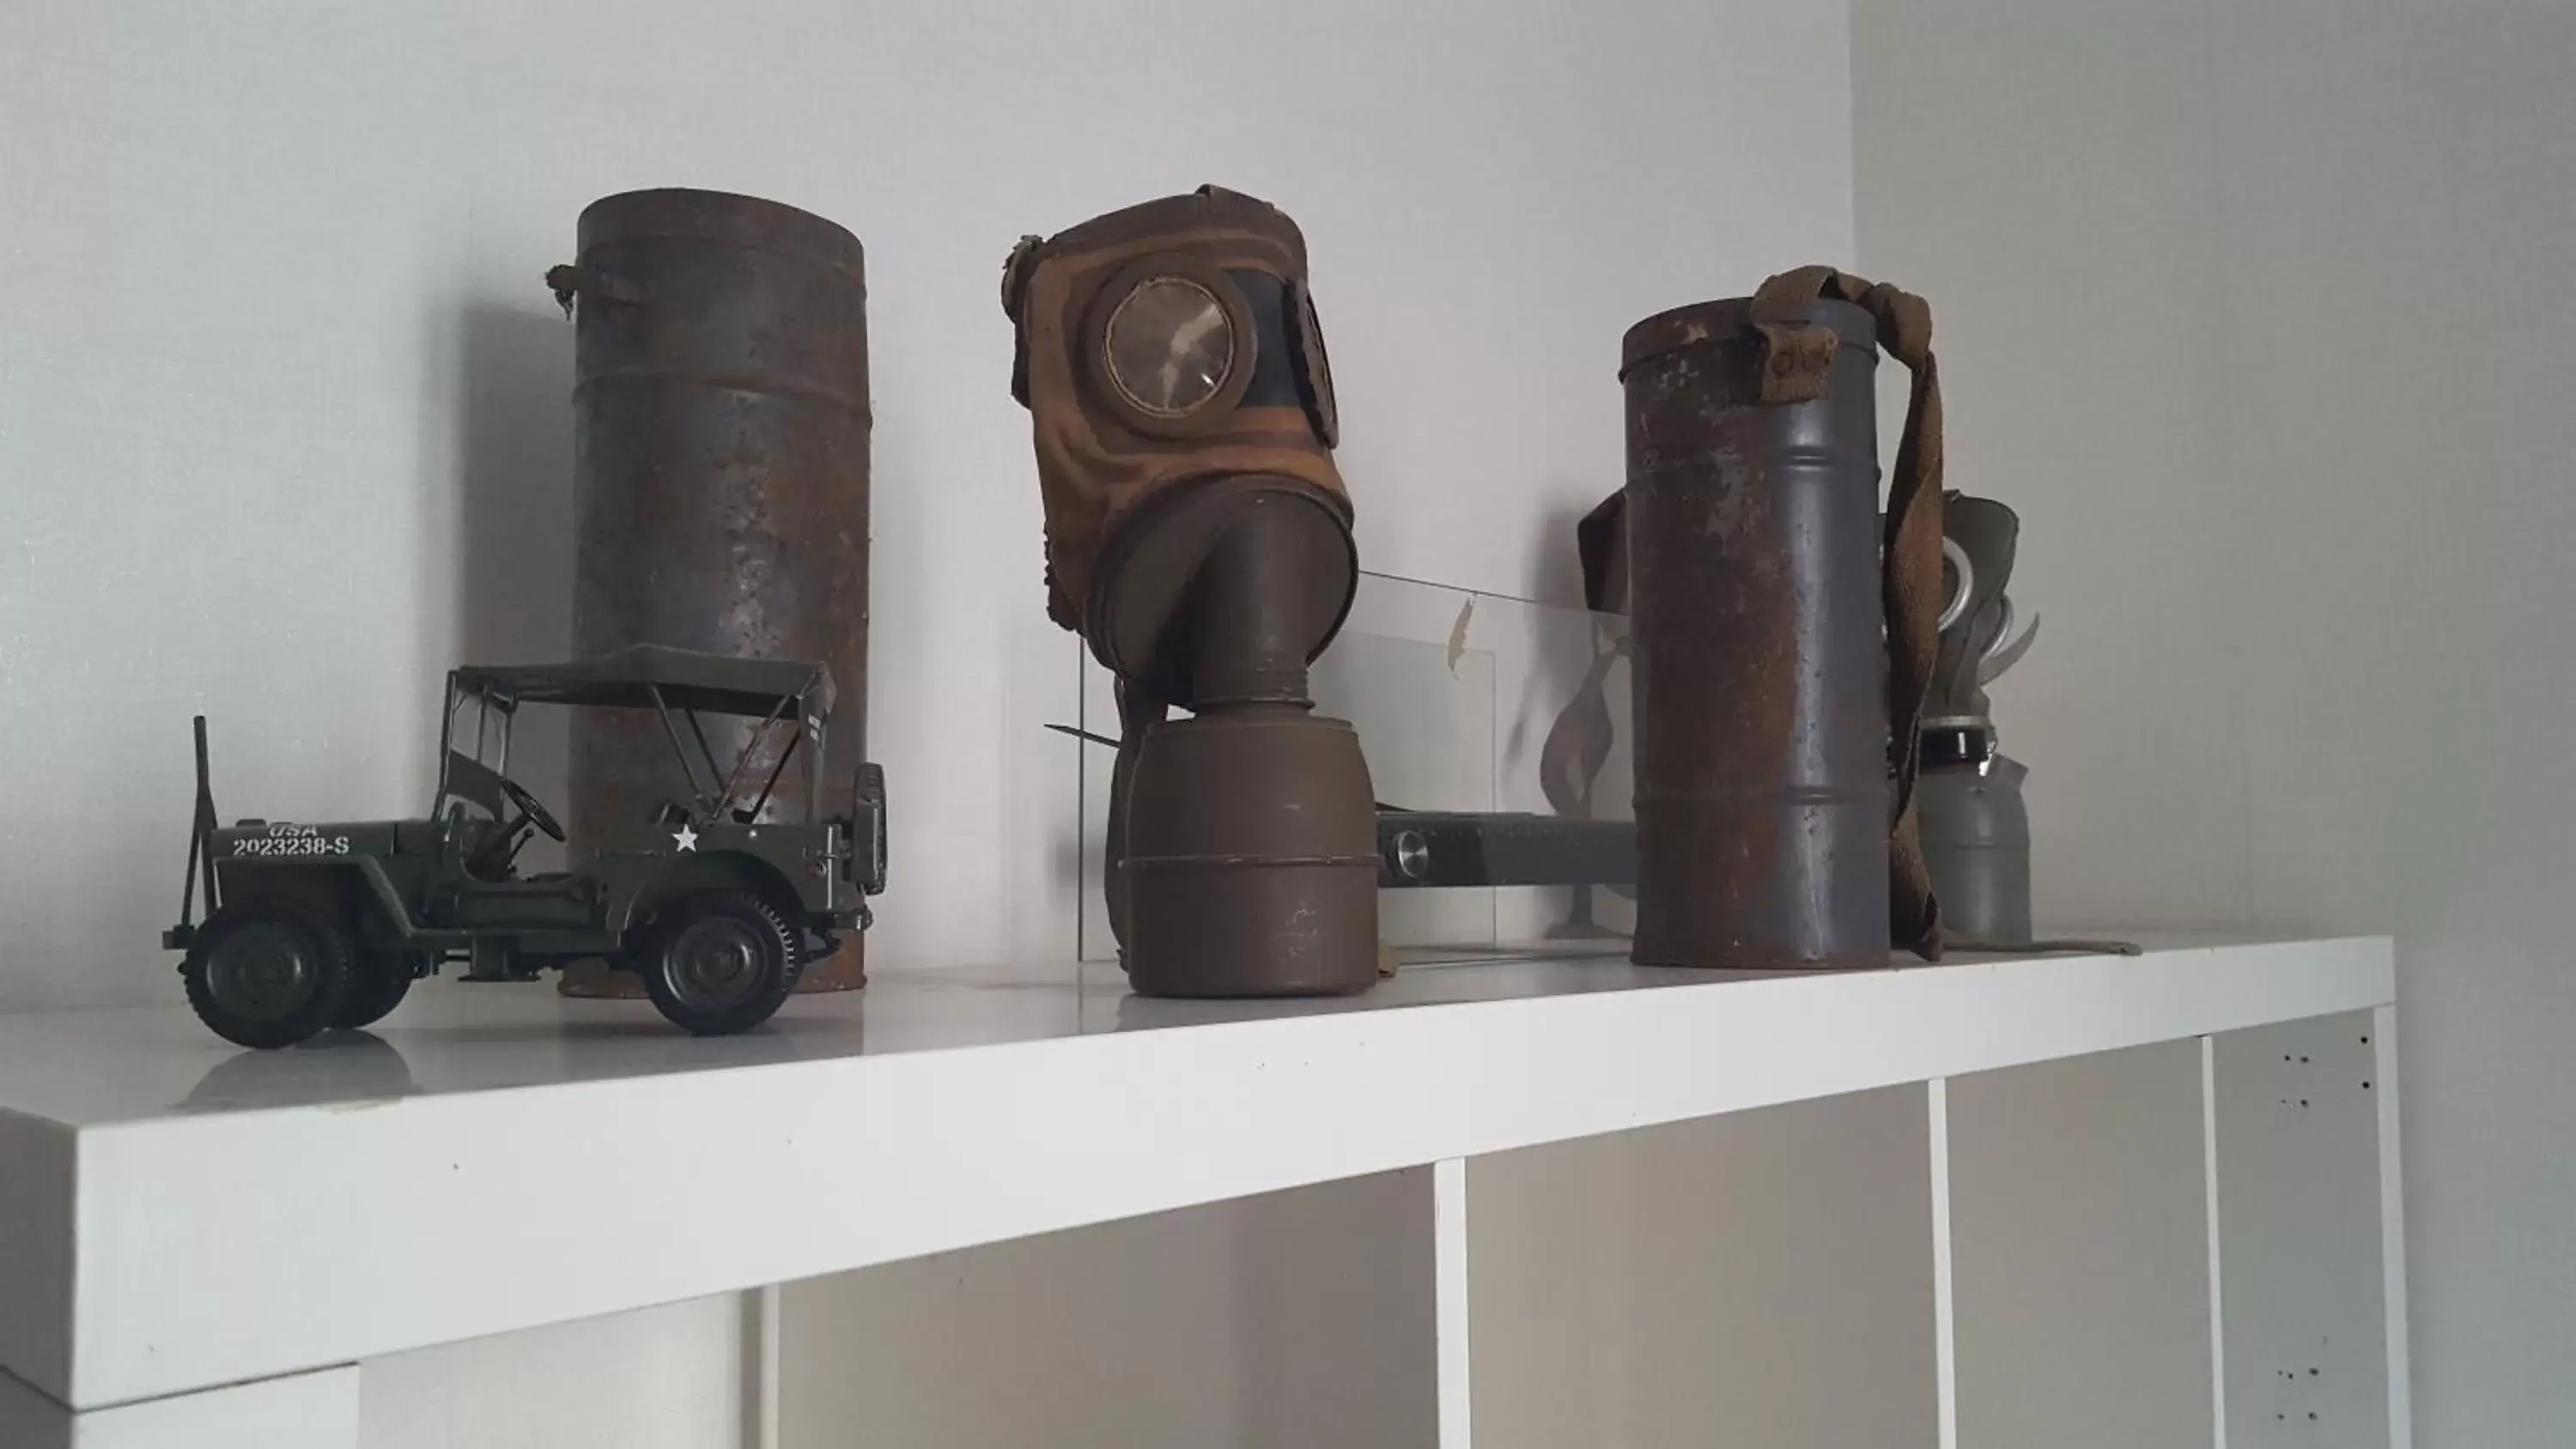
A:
(677, 685)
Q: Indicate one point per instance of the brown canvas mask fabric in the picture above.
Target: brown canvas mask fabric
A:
(1164, 347)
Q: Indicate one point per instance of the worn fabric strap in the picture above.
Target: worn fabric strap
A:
(1796, 357)
(2046, 945)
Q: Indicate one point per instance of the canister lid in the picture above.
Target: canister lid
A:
(1732, 318)
(719, 216)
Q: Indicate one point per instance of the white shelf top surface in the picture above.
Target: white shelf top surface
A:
(176, 1213)
(98, 1068)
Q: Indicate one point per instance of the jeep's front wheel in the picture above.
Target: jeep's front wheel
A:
(720, 962)
(267, 974)
(380, 981)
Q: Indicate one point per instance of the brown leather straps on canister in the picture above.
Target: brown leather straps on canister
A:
(1796, 358)
(1756, 653)
(1783, 633)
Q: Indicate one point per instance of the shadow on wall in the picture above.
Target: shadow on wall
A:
(1555, 569)
(514, 571)
(1563, 656)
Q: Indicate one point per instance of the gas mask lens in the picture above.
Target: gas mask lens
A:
(1169, 346)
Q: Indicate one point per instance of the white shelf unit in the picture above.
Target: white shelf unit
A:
(1995, 1202)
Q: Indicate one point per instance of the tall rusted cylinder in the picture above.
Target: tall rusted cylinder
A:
(1759, 668)
(720, 483)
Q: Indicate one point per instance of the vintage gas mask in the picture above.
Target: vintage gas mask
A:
(1199, 538)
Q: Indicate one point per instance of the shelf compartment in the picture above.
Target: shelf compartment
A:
(2079, 1252)
(2304, 1255)
(1280, 1321)
(1763, 1277)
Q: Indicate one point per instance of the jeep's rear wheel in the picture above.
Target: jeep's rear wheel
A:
(381, 981)
(720, 962)
(268, 974)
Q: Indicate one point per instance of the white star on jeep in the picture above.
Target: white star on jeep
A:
(686, 839)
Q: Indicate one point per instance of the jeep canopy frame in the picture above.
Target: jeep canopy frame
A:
(660, 678)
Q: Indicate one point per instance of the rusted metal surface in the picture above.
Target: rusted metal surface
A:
(1251, 858)
(1251, 829)
(721, 480)
(1244, 838)
(1759, 668)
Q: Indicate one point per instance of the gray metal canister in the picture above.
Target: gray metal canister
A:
(1976, 838)
(721, 426)
(1760, 670)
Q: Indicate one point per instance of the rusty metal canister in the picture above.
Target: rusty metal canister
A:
(1251, 857)
(720, 482)
(1246, 836)
(1759, 664)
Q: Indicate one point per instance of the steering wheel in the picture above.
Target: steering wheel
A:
(536, 813)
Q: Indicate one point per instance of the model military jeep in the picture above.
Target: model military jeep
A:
(715, 905)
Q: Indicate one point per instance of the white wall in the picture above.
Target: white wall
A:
(2257, 314)
(284, 421)
(285, 429)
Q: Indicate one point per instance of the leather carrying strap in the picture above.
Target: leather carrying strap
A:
(2047, 946)
(1796, 358)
